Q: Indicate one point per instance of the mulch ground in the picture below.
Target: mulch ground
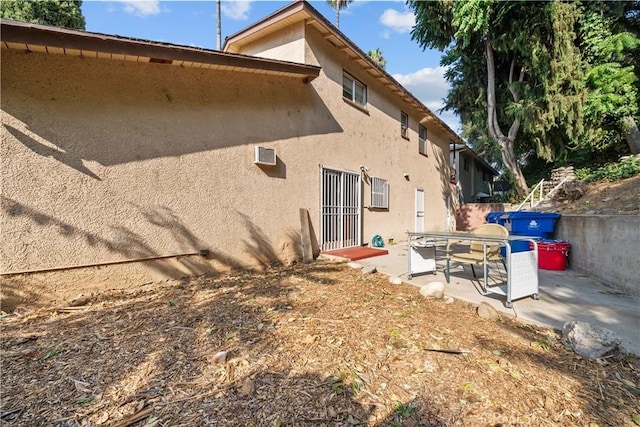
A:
(309, 345)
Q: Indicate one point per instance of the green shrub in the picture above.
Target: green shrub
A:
(625, 168)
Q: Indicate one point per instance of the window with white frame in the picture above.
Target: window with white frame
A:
(422, 140)
(404, 124)
(379, 193)
(354, 90)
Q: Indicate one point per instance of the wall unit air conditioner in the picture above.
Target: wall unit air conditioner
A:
(422, 147)
(264, 156)
(404, 132)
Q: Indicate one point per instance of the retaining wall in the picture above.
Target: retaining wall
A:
(606, 247)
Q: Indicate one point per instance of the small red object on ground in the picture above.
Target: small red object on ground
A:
(552, 254)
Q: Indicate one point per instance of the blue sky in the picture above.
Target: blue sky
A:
(369, 24)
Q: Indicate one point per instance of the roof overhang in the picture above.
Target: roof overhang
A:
(464, 147)
(303, 11)
(53, 40)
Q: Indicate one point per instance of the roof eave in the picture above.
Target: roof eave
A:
(341, 41)
(27, 36)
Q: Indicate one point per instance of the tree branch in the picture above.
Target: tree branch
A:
(492, 119)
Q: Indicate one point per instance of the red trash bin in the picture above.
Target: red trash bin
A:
(552, 254)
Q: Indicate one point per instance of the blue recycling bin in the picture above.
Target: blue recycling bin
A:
(494, 218)
(535, 224)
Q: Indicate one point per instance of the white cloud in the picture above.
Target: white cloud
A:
(141, 8)
(385, 34)
(236, 10)
(401, 22)
(430, 87)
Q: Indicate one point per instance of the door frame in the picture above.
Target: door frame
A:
(345, 220)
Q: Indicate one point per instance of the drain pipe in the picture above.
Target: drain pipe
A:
(202, 252)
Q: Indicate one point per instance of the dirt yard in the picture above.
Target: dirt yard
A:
(605, 198)
(308, 345)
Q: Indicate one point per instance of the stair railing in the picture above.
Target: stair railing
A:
(531, 197)
(539, 188)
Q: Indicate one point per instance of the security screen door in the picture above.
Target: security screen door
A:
(340, 210)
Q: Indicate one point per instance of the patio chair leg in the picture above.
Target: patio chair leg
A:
(447, 273)
(474, 272)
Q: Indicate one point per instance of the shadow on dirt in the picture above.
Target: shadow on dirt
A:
(303, 345)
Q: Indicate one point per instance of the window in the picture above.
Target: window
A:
(404, 124)
(422, 140)
(379, 193)
(466, 165)
(354, 90)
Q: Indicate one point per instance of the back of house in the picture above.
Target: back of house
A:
(126, 161)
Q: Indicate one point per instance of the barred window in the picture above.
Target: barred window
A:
(379, 193)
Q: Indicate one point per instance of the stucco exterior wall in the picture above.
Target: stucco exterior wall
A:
(374, 140)
(605, 247)
(287, 44)
(107, 161)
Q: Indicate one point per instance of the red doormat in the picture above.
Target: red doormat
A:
(357, 252)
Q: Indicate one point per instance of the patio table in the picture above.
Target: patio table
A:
(522, 267)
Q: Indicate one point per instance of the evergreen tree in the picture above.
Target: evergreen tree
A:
(58, 13)
(512, 66)
(611, 46)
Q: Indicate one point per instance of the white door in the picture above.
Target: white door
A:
(419, 228)
(340, 215)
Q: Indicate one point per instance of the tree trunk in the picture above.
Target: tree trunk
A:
(506, 143)
(338, 15)
(632, 134)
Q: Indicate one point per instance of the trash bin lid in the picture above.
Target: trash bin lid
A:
(553, 245)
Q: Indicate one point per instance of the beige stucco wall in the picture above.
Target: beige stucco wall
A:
(373, 138)
(105, 161)
(288, 44)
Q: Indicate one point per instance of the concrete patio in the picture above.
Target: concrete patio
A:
(564, 295)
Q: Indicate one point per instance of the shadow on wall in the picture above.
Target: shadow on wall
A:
(46, 151)
(260, 248)
(130, 246)
(471, 215)
(463, 219)
(279, 170)
(155, 112)
(442, 166)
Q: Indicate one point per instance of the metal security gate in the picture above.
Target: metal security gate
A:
(340, 215)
